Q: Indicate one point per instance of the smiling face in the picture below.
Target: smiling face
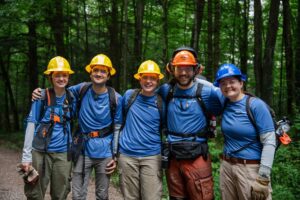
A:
(231, 88)
(60, 79)
(149, 83)
(99, 75)
(184, 75)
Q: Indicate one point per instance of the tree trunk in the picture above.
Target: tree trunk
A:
(9, 94)
(297, 60)
(139, 16)
(258, 46)
(209, 65)
(198, 16)
(32, 69)
(56, 21)
(114, 43)
(165, 31)
(216, 33)
(268, 60)
(244, 38)
(86, 32)
(290, 73)
(125, 77)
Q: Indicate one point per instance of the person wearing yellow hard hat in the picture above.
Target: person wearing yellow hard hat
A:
(140, 140)
(48, 136)
(99, 119)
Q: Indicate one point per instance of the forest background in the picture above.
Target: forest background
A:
(261, 37)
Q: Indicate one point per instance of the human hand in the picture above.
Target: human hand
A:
(260, 188)
(110, 167)
(36, 94)
(25, 166)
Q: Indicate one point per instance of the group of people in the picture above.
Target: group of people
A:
(146, 126)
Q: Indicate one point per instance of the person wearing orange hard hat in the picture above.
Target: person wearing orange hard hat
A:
(140, 139)
(189, 108)
(48, 137)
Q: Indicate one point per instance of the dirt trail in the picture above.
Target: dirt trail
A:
(11, 185)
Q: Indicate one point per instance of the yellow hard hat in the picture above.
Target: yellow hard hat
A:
(58, 64)
(103, 60)
(149, 67)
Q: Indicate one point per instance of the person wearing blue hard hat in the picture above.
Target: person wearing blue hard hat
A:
(249, 141)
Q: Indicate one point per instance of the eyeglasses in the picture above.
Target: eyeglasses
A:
(102, 70)
(186, 69)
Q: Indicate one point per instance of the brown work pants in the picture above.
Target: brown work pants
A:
(190, 179)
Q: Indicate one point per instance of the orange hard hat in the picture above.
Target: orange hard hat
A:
(184, 58)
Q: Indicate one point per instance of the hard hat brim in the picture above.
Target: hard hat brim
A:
(138, 75)
(112, 70)
(47, 72)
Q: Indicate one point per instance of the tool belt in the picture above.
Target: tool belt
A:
(186, 150)
(234, 161)
(201, 133)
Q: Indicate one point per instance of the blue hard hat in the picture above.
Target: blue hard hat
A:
(227, 70)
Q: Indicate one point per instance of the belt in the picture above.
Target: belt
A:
(233, 160)
(93, 134)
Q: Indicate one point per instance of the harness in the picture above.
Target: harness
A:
(106, 131)
(44, 131)
(205, 132)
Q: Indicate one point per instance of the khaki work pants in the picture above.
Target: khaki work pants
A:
(236, 180)
(57, 172)
(140, 177)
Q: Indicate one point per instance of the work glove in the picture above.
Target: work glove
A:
(260, 188)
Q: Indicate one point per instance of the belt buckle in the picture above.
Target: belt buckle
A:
(234, 160)
(94, 134)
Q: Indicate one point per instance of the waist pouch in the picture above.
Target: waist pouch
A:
(188, 150)
(77, 146)
(42, 137)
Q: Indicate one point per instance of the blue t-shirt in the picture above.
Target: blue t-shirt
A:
(59, 139)
(140, 136)
(239, 131)
(94, 114)
(185, 115)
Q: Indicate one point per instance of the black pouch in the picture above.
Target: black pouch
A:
(42, 137)
(77, 147)
(188, 150)
(165, 154)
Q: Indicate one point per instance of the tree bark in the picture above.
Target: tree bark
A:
(268, 60)
(216, 33)
(209, 65)
(198, 17)
(244, 38)
(297, 60)
(139, 16)
(114, 43)
(258, 47)
(125, 47)
(290, 73)
(56, 21)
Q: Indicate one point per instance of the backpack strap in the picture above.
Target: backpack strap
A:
(112, 103)
(84, 88)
